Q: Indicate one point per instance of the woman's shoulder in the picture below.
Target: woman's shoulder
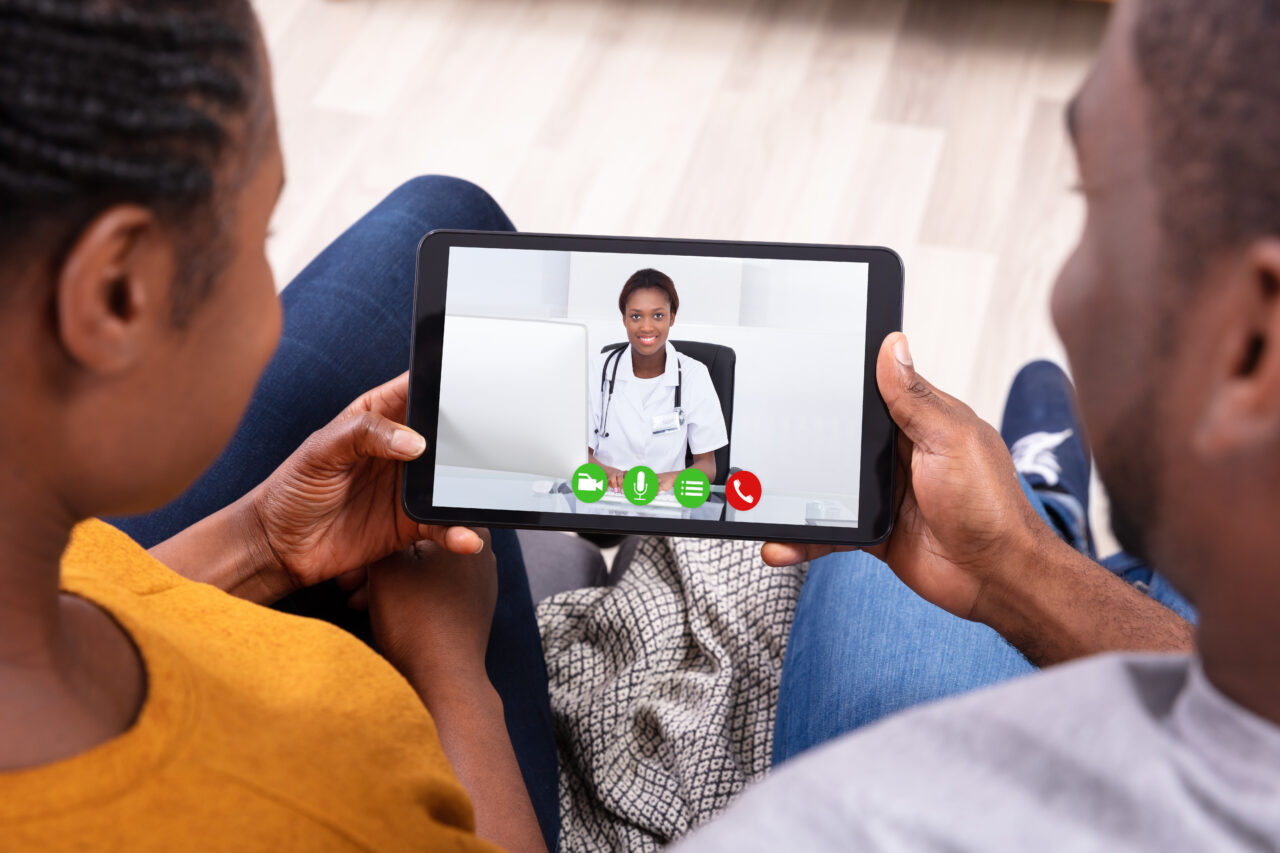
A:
(598, 361)
(598, 357)
(249, 696)
(99, 552)
(693, 367)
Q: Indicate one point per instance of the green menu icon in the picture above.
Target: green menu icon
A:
(692, 488)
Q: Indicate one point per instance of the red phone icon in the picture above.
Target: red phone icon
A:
(743, 491)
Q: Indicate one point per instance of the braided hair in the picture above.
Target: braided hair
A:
(104, 102)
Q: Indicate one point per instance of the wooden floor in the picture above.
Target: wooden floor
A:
(930, 126)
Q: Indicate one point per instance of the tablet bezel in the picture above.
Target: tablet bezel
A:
(879, 435)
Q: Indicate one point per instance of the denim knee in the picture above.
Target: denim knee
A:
(447, 202)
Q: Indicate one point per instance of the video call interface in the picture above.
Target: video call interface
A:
(650, 385)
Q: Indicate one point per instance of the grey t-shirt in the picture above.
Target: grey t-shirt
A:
(1117, 752)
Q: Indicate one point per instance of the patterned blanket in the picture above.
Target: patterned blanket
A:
(663, 689)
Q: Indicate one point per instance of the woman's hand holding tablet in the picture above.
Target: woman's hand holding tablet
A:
(322, 513)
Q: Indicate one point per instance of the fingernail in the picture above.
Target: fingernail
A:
(479, 546)
(406, 442)
(901, 352)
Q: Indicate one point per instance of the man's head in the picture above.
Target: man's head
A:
(139, 165)
(1169, 307)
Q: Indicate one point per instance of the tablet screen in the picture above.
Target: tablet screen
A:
(609, 383)
(604, 385)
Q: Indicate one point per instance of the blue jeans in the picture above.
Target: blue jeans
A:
(347, 319)
(863, 646)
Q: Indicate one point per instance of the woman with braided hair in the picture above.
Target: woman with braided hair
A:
(147, 700)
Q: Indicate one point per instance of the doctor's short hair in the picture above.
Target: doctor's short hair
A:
(646, 278)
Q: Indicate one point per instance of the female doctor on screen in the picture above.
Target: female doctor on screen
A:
(635, 417)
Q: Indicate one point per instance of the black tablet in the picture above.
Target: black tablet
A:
(683, 387)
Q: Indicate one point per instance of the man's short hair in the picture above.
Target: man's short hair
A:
(1211, 70)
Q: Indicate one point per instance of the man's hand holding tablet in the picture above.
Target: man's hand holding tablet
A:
(961, 515)
(967, 540)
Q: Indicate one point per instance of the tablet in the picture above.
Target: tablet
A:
(682, 387)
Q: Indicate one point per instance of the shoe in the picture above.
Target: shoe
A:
(1047, 443)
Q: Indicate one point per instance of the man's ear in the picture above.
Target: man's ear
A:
(113, 287)
(1244, 407)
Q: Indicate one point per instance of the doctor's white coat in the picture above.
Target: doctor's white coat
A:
(627, 438)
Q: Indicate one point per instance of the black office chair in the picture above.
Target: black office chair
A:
(721, 363)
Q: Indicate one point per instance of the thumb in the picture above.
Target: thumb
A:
(459, 540)
(922, 412)
(371, 435)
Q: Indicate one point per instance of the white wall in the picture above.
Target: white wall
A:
(710, 289)
(507, 283)
(805, 295)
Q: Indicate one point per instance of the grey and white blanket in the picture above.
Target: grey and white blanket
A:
(663, 689)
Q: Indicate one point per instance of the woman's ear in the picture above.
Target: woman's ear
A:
(1244, 404)
(113, 289)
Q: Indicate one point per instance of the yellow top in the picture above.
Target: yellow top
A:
(260, 731)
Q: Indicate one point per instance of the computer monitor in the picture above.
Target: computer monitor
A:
(535, 420)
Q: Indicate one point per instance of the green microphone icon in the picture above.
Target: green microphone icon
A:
(640, 485)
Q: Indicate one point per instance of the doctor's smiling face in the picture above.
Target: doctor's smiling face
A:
(648, 319)
(648, 303)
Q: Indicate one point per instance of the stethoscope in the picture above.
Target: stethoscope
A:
(607, 401)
